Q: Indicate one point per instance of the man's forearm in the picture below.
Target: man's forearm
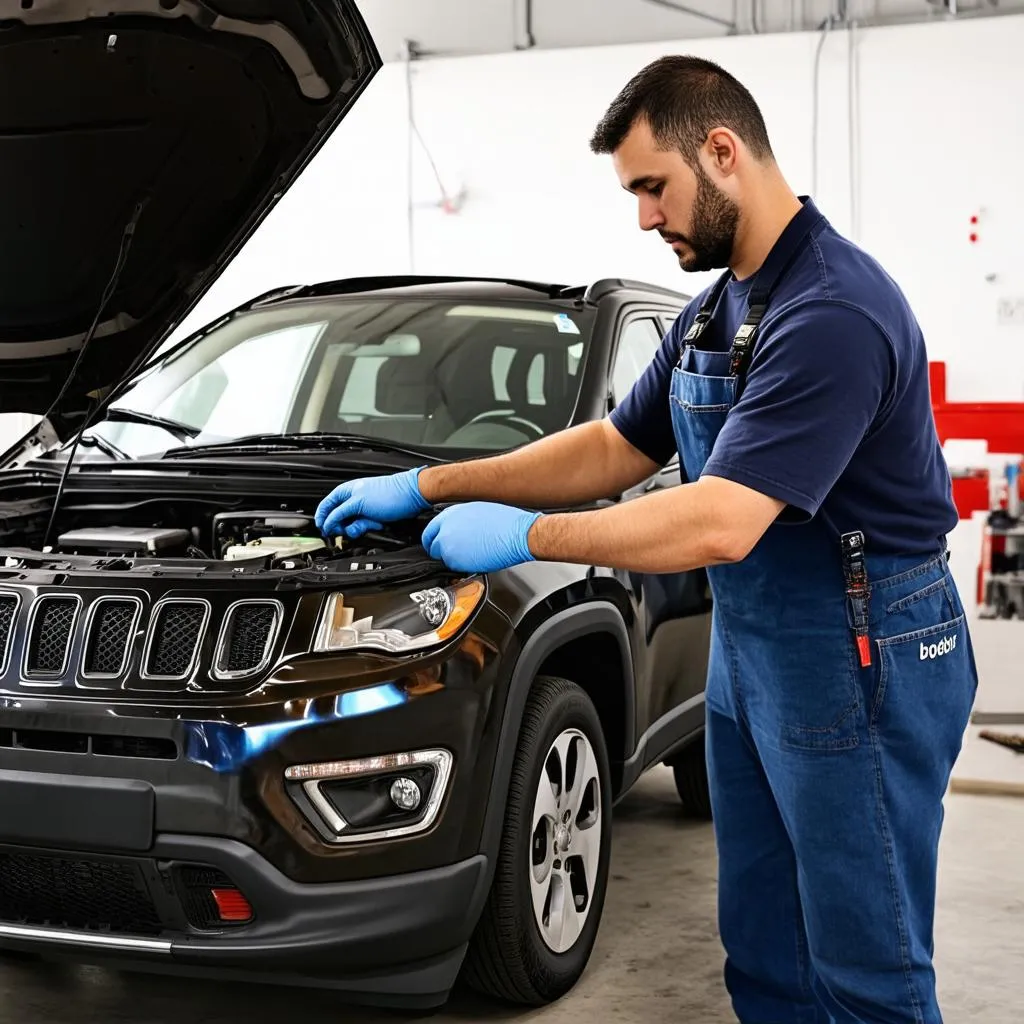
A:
(569, 468)
(674, 530)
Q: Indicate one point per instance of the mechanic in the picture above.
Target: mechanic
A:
(795, 390)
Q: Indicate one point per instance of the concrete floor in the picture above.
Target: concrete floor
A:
(657, 956)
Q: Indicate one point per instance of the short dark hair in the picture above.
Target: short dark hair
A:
(682, 98)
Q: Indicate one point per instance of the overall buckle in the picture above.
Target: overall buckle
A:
(743, 344)
(858, 590)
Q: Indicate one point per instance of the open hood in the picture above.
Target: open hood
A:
(145, 140)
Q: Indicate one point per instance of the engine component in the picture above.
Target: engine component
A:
(124, 540)
(278, 547)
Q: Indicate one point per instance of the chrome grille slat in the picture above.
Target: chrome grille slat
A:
(50, 635)
(246, 638)
(9, 604)
(108, 635)
(176, 630)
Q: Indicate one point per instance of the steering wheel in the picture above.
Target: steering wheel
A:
(509, 416)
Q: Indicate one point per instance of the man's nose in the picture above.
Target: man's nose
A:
(650, 214)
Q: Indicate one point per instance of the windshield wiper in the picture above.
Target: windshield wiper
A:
(312, 441)
(95, 441)
(182, 431)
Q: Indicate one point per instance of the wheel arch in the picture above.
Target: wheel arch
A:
(549, 650)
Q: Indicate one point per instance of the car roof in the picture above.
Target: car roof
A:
(480, 288)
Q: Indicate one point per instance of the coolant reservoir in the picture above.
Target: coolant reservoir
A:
(278, 547)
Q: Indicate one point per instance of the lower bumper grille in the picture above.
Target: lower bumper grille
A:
(149, 747)
(82, 895)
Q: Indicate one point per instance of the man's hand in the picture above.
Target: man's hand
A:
(369, 502)
(480, 536)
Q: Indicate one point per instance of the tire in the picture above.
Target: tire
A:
(690, 771)
(509, 958)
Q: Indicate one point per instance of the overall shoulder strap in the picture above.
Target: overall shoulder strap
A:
(789, 245)
(707, 310)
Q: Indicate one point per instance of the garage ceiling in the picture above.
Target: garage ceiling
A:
(466, 27)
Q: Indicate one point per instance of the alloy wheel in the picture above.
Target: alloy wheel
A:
(566, 840)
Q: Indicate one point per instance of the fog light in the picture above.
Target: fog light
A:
(406, 794)
(373, 798)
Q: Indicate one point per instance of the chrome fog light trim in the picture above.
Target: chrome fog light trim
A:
(313, 776)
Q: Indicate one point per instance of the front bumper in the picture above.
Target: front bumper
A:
(398, 939)
(120, 811)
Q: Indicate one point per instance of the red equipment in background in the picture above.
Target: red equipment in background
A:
(999, 424)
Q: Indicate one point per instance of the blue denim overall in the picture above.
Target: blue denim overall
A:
(827, 775)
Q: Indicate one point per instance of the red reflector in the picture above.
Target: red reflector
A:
(231, 905)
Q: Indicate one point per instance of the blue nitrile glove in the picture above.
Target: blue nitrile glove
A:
(370, 501)
(480, 536)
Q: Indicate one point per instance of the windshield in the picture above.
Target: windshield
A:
(428, 374)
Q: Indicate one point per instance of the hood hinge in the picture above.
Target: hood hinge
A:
(37, 441)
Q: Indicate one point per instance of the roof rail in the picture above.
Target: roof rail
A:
(599, 289)
(349, 285)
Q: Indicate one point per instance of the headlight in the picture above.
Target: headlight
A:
(408, 622)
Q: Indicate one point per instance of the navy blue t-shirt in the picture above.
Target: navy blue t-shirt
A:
(835, 415)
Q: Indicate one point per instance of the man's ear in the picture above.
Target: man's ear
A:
(721, 149)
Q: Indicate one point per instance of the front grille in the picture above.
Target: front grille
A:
(110, 630)
(116, 641)
(174, 638)
(247, 638)
(8, 607)
(78, 894)
(50, 637)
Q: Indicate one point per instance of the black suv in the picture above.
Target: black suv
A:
(229, 745)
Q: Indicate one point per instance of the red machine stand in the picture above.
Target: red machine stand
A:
(1001, 426)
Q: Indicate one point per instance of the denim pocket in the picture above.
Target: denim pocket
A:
(805, 696)
(694, 392)
(927, 590)
(928, 676)
(828, 720)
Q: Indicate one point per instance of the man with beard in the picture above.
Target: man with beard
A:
(795, 392)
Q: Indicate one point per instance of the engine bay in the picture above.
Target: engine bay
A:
(233, 542)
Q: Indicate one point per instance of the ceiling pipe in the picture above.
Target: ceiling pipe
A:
(683, 9)
(955, 12)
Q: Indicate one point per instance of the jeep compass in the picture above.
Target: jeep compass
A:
(230, 746)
